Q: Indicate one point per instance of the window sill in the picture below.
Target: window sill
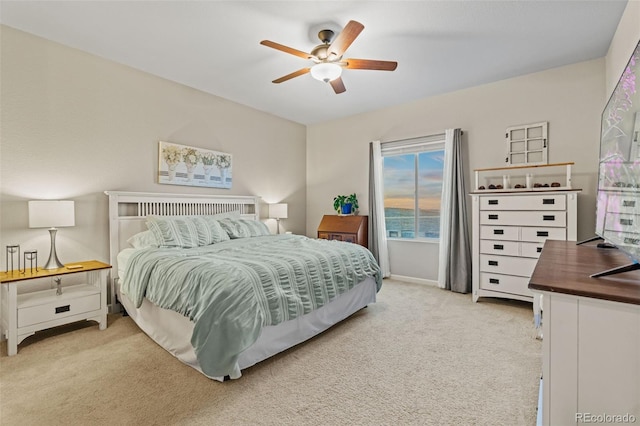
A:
(416, 240)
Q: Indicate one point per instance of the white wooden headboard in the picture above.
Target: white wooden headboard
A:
(128, 212)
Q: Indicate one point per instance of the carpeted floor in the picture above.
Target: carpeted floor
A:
(419, 356)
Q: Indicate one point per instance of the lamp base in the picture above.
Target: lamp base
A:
(53, 262)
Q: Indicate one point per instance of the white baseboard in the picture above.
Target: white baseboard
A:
(414, 280)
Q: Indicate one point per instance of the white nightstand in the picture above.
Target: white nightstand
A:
(24, 314)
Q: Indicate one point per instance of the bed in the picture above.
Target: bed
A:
(209, 298)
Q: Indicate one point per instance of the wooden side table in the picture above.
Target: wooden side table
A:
(24, 314)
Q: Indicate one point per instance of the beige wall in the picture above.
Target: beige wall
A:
(570, 98)
(624, 42)
(75, 125)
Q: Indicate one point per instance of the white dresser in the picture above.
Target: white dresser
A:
(509, 230)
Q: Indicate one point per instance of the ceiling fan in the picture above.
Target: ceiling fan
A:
(328, 57)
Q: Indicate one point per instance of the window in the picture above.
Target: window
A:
(412, 180)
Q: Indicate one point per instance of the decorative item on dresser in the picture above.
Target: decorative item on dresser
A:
(24, 314)
(352, 229)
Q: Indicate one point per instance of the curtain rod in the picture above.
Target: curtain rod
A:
(419, 137)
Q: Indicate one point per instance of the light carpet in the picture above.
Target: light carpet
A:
(419, 356)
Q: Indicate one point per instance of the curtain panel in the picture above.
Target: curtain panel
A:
(454, 271)
(377, 228)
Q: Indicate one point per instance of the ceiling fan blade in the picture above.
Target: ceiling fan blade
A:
(286, 49)
(292, 75)
(370, 64)
(345, 38)
(338, 85)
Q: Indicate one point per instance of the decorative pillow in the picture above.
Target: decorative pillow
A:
(243, 228)
(186, 231)
(143, 239)
(209, 230)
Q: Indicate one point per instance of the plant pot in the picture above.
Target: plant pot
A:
(347, 208)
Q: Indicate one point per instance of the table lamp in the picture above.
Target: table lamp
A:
(277, 212)
(51, 214)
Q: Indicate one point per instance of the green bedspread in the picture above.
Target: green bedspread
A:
(231, 289)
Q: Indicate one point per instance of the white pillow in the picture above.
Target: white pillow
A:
(143, 239)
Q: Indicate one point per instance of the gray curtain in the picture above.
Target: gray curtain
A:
(455, 249)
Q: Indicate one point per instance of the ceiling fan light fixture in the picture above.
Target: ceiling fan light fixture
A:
(326, 71)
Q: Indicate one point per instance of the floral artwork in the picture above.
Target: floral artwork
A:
(186, 165)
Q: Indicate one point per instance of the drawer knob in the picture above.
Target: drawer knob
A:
(548, 217)
(548, 201)
(493, 263)
(493, 202)
(494, 281)
(498, 232)
(628, 222)
(539, 249)
(628, 203)
(493, 216)
(498, 247)
(542, 234)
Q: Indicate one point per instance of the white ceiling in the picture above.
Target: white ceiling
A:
(440, 46)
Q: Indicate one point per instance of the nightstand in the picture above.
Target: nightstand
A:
(24, 314)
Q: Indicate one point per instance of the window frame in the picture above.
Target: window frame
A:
(414, 146)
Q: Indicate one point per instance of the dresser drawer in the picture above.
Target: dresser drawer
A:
(505, 284)
(59, 307)
(539, 234)
(521, 266)
(526, 218)
(524, 202)
(531, 249)
(500, 233)
(505, 248)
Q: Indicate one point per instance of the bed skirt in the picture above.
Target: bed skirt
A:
(173, 331)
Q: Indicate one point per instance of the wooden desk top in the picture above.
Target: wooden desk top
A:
(15, 275)
(564, 267)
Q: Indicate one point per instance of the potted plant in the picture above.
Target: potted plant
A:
(345, 204)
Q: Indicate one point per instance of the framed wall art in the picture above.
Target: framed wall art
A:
(190, 166)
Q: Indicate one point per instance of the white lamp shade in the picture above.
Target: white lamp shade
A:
(326, 71)
(278, 211)
(51, 214)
